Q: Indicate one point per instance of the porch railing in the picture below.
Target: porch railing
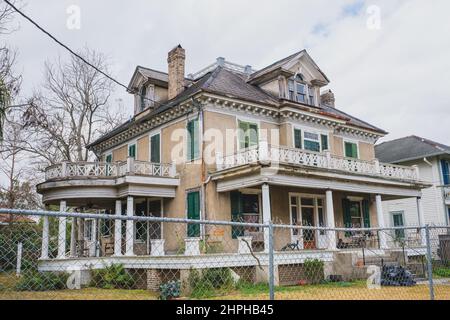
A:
(265, 153)
(109, 170)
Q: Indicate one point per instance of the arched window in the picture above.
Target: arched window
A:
(143, 96)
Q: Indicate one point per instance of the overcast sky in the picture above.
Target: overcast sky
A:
(396, 77)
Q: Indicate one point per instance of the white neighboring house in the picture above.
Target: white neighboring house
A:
(433, 161)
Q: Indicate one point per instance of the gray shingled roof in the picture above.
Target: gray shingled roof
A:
(409, 148)
(227, 83)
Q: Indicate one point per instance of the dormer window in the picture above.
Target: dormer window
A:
(299, 91)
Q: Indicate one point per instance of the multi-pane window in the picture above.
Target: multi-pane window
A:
(310, 141)
(351, 149)
(193, 140)
(248, 135)
(143, 98)
(445, 171)
(299, 91)
(397, 218)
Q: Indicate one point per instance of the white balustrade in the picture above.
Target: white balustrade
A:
(103, 169)
(318, 160)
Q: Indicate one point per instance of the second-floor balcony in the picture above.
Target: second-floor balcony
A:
(267, 154)
(67, 170)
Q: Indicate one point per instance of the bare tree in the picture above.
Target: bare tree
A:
(18, 191)
(9, 82)
(71, 111)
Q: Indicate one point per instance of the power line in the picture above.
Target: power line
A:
(76, 54)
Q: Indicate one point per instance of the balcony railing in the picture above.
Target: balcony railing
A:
(109, 170)
(265, 153)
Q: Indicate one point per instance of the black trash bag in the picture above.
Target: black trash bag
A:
(396, 276)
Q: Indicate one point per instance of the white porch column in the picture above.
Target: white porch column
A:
(62, 231)
(73, 235)
(118, 230)
(330, 220)
(129, 240)
(45, 231)
(267, 215)
(421, 221)
(381, 223)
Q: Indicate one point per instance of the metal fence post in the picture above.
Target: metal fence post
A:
(429, 261)
(271, 264)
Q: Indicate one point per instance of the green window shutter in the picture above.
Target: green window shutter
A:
(236, 214)
(132, 151)
(366, 213)
(109, 158)
(193, 204)
(297, 138)
(190, 133)
(347, 216)
(324, 140)
(193, 147)
(351, 150)
(155, 143)
(196, 140)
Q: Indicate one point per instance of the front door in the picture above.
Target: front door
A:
(308, 221)
(397, 218)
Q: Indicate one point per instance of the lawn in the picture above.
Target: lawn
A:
(332, 291)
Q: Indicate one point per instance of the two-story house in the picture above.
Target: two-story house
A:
(433, 160)
(230, 143)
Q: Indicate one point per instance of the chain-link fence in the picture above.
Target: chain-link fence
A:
(50, 255)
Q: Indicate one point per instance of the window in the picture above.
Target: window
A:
(245, 207)
(155, 147)
(311, 95)
(248, 135)
(143, 98)
(351, 150)
(445, 172)
(106, 227)
(193, 213)
(397, 218)
(140, 230)
(324, 141)
(108, 158)
(193, 142)
(299, 91)
(310, 141)
(132, 151)
(88, 229)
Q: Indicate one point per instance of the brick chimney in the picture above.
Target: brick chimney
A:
(327, 98)
(175, 60)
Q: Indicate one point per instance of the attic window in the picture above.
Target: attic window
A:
(143, 94)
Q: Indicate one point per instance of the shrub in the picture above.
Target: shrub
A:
(169, 290)
(442, 272)
(206, 283)
(112, 277)
(313, 270)
(42, 281)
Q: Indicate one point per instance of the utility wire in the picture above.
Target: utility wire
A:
(76, 54)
